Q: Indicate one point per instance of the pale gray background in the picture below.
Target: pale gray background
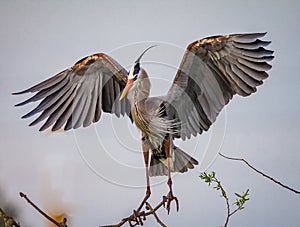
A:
(38, 39)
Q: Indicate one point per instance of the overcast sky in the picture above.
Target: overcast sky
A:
(96, 174)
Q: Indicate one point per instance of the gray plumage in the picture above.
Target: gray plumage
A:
(212, 71)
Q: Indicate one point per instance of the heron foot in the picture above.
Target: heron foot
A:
(168, 199)
(148, 193)
(138, 216)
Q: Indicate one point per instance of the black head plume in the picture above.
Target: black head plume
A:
(139, 58)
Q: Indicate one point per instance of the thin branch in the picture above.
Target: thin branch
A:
(137, 219)
(228, 211)
(8, 221)
(210, 178)
(148, 206)
(61, 224)
(261, 173)
(233, 212)
(226, 199)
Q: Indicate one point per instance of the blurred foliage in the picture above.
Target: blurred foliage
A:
(7, 207)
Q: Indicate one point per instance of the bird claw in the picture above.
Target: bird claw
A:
(168, 199)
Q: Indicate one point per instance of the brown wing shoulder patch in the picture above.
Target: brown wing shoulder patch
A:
(213, 43)
(87, 60)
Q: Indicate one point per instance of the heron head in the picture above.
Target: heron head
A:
(133, 73)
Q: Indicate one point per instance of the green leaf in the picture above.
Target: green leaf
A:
(238, 195)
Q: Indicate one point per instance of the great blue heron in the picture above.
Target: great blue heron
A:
(212, 70)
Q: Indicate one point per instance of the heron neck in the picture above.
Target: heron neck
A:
(139, 95)
(141, 88)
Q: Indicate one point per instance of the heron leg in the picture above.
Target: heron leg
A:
(170, 197)
(145, 147)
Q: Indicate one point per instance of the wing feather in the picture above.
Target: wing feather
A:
(98, 110)
(55, 112)
(92, 107)
(77, 96)
(47, 91)
(78, 112)
(51, 109)
(45, 84)
(117, 104)
(212, 70)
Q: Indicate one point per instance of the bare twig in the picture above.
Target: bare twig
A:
(61, 224)
(226, 199)
(261, 173)
(8, 221)
(137, 219)
(228, 211)
(148, 207)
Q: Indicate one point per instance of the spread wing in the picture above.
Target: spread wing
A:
(77, 96)
(212, 70)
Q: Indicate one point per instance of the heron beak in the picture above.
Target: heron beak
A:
(126, 89)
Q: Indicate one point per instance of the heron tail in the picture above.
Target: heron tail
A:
(179, 162)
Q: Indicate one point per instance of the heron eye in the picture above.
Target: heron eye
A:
(135, 77)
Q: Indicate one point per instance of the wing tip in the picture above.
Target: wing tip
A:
(19, 104)
(21, 92)
(253, 34)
